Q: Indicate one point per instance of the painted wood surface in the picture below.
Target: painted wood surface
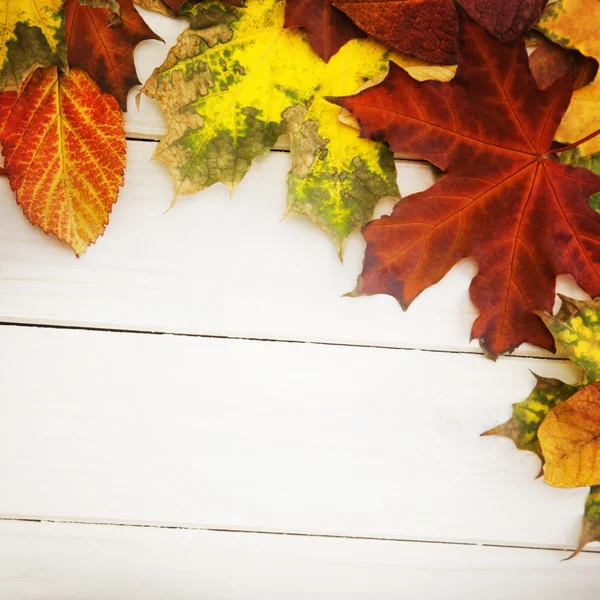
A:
(345, 435)
(41, 561)
(223, 267)
(268, 436)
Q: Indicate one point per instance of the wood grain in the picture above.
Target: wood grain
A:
(268, 436)
(222, 267)
(90, 562)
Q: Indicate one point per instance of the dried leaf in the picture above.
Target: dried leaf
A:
(172, 8)
(575, 24)
(576, 329)
(112, 5)
(590, 530)
(503, 200)
(158, 6)
(104, 49)
(528, 415)
(506, 19)
(64, 147)
(231, 88)
(328, 28)
(33, 35)
(550, 62)
(561, 422)
(428, 28)
(591, 162)
(570, 440)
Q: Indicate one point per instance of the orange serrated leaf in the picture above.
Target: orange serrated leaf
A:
(64, 147)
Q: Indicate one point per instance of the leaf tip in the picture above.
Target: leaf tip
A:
(337, 100)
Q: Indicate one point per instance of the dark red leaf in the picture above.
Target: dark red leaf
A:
(503, 200)
(424, 28)
(550, 62)
(428, 28)
(506, 19)
(328, 28)
(103, 44)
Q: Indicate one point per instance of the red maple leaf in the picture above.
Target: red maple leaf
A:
(504, 199)
(428, 28)
(328, 28)
(103, 44)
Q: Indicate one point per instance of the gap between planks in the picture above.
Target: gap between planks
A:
(473, 352)
(280, 146)
(183, 527)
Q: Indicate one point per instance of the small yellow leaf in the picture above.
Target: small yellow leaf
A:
(570, 440)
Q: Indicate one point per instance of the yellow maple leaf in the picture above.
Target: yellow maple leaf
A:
(237, 80)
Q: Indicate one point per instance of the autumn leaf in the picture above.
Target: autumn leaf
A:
(503, 200)
(423, 28)
(231, 89)
(64, 147)
(560, 422)
(570, 440)
(428, 28)
(575, 24)
(590, 530)
(528, 415)
(328, 28)
(550, 62)
(158, 6)
(573, 157)
(104, 48)
(172, 8)
(33, 35)
(112, 5)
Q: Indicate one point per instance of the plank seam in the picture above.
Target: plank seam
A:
(280, 533)
(283, 148)
(265, 339)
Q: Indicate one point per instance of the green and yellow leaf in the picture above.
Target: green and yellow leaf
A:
(32, 35)
(590, 530)
(576, 329)
(528, 415)
(236, 81)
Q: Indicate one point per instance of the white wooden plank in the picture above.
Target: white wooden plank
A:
(221, 267)
(88, 562)
(271, 436)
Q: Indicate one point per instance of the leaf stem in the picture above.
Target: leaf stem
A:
(575, 144)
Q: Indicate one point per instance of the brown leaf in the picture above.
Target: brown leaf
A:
(104, 47)
(328, 28)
